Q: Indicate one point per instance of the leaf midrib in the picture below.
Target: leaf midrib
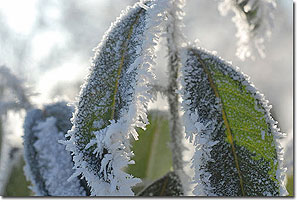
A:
(120, 67)
(225, 119)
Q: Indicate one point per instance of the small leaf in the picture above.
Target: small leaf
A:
(113, 100)
(152, 153)
(236, 139)
(169, 185)
(48, 165)
(17, 184)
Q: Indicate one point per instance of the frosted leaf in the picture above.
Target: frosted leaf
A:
(254, 21)
(168, 185)
(114, 98)
(48, 164)
(231, 126)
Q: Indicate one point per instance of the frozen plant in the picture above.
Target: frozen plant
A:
(237, 150)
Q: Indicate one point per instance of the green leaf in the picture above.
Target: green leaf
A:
(290, 185)
(168, 185)
(17, 184)
(152, 153)
(237, 148)
(113, 100)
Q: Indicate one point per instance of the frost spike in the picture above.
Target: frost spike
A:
(237, 141)
(113, 100)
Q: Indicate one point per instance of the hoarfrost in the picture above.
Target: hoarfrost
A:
(101, 153)
(202, 118)
(175, 39)
(48, 165)
(254, 21)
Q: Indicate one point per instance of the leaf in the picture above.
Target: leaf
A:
(168, 185)
(290, 184)
(17, 184)
(113, 100)
(48, 165)
(153, 155)
(236, 139)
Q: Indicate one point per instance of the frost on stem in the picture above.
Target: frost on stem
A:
(114, 98)
(175, 39)
(237, 141)
(13, 94)
(48, 165)
(254, 21)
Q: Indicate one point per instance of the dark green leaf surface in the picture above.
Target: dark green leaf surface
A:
(237, 153)
(168, 185)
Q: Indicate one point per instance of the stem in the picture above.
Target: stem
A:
(173, 97)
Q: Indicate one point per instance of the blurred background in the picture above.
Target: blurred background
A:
(49, 43)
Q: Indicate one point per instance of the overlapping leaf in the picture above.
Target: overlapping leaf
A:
(152, 152)
(237, 151)
(17, 185)
(113, 99)
(48, 165)
(168, 185)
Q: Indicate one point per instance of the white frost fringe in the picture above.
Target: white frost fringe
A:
(116, 137)
(249, 39)
(196, 133)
